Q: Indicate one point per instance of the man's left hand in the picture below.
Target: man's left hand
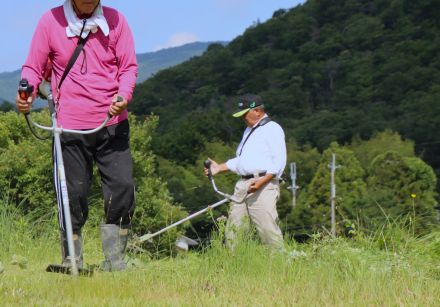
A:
(255, 186)
(259, 183)
(118, 105)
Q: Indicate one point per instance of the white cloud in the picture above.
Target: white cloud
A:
(178, 39)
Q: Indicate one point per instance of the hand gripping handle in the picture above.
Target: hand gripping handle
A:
(207, 165)
(118, 99)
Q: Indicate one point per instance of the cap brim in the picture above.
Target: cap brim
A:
(241, 113)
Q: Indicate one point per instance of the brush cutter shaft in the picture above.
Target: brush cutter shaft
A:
(65, 200)
(60, 177)
(228, 197)
(150, 236)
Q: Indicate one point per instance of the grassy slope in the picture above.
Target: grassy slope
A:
(333, 272)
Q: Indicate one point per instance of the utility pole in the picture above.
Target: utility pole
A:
(333, 168)
(293, 187)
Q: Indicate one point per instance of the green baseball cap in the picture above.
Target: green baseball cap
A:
(246, 103)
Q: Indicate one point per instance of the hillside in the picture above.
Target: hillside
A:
(149, 63)
(8, 85)
(328, 71)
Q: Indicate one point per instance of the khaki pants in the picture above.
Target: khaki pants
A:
(261, 209)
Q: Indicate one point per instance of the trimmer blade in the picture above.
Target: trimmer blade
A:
(57, 268)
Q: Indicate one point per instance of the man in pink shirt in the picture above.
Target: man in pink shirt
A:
(101, 80)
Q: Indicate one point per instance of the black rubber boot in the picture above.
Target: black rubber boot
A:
(114, 242)
(77, 243)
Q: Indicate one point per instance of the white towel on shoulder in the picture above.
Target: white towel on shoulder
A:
(97, 20)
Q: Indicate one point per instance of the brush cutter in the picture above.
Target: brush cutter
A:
(207, 164)
(64, 218)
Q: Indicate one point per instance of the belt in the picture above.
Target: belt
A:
(253, 176)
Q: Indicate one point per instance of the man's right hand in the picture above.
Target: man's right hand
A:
(216, 168)
(24, 106)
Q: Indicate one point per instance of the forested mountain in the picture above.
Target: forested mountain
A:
(328, 70)
(149, 63)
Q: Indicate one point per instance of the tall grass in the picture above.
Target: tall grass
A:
(15, 229)
(390, 267)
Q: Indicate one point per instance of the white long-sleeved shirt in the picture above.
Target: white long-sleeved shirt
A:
(264, 151)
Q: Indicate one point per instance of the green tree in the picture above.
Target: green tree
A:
(381, 142)
(403, 187)
(350, 186)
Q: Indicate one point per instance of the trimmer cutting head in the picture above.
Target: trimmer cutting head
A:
(58, 268)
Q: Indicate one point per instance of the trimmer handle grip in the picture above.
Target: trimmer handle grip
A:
(25, 89)
(207, 165)
(118, 99)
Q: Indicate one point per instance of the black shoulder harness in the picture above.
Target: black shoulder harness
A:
(262, 122)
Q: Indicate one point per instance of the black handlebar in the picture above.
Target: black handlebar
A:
(118, 99)
(25, 89)
(207, 165)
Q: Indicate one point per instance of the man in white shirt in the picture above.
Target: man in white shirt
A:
(260, 161)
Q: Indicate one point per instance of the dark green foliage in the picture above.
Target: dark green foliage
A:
(421, 122)
(185, 139)
(367, 150)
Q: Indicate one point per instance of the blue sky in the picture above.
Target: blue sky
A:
(155, 24)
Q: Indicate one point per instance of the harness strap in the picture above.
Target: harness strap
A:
(262, 122)
(75, 54)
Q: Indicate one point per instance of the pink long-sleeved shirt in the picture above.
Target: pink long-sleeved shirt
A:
(106, 66)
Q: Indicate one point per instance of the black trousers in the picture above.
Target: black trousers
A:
(109, 149)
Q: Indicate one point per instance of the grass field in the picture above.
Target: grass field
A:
(390, 268)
